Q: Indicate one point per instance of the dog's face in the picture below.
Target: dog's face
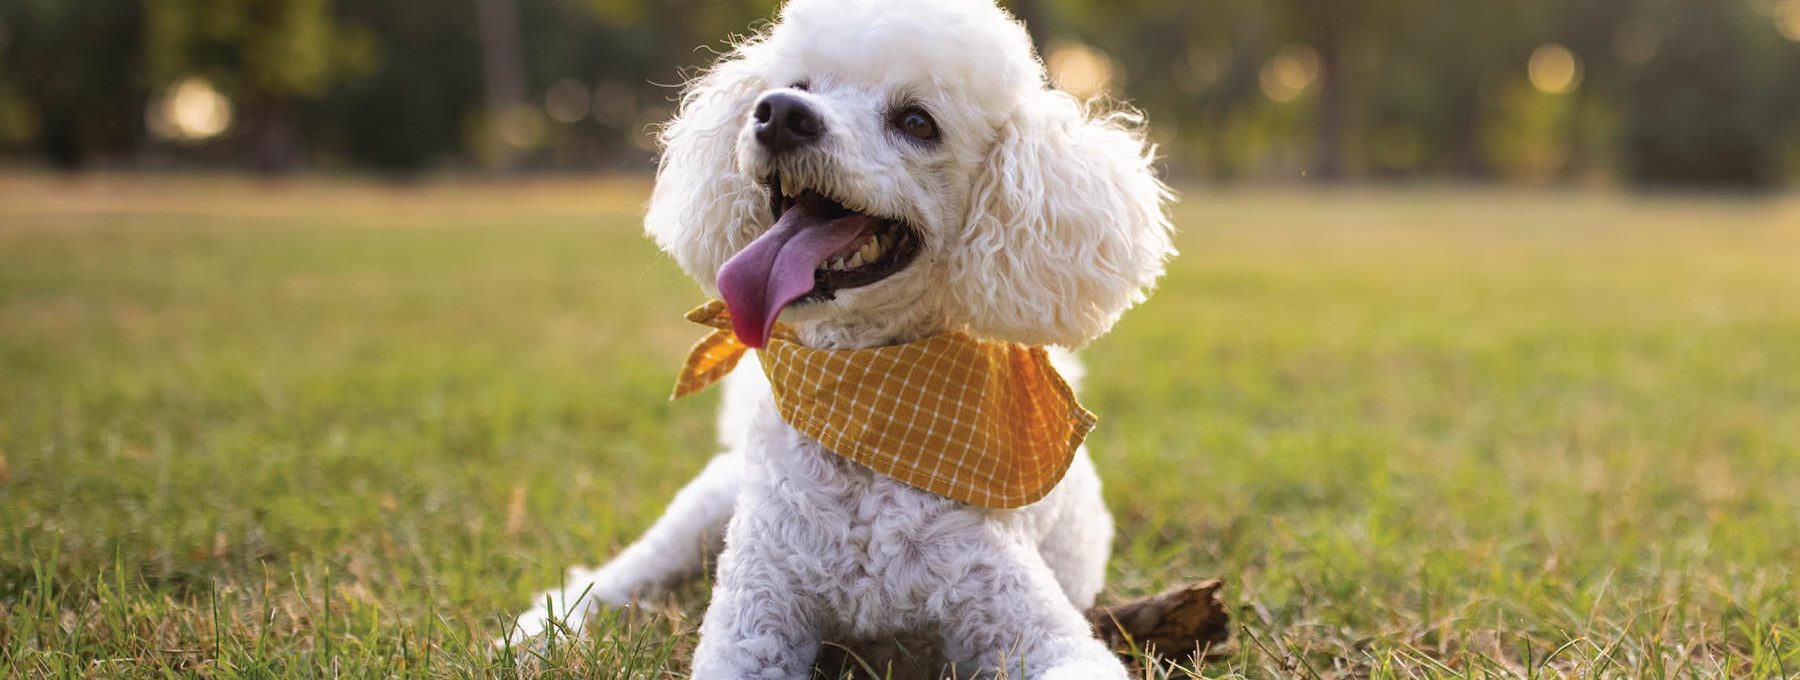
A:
(905, 161)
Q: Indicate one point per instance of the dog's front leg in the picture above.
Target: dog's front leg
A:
(1017, 622)
(758, 625)
(671, 552)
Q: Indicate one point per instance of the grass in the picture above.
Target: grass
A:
(319, 429)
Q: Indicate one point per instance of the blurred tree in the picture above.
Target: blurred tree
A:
(1666, 90)
(264, 54)
(1192, 67)
(1787, 99)
(409, 110)
(1694, 114)
(1601, 32)
(1439, 68)
(1327, 27)
(77, 68)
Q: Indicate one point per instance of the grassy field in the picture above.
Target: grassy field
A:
(343, 430)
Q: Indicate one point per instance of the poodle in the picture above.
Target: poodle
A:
(971, 197)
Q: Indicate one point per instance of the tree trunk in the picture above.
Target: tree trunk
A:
(1467, 159)
(1328, 163)
(274, 138)
(1324, 23)
(502, 73)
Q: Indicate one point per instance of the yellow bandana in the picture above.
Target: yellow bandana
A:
(985, 423)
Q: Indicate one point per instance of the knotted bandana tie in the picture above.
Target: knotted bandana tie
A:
(985, 423)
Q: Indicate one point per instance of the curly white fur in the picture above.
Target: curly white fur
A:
(1041, 223)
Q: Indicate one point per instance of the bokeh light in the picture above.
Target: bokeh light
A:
(1080, 70)
(614, 103)
(1787, 19)
(567, 101)
(1290, 73)
(522, 127)
(1553, 69)
(1204, 67)
(190, 111)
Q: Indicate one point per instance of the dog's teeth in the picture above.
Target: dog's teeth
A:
(787, 186)
(855, 261)
(871, 251)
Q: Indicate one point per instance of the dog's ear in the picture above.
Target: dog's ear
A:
(1066, 226)
(702, 207)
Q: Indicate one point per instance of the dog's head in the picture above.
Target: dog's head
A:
(868, 163)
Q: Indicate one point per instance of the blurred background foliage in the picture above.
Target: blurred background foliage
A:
(1649, 92)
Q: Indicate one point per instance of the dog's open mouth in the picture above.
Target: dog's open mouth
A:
(880, 248)
(816, 247)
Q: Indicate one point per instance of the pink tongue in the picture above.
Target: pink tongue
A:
(777, 268)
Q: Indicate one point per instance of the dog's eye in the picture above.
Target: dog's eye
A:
(916, 123)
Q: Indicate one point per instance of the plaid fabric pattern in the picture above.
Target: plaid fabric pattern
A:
(985, 423)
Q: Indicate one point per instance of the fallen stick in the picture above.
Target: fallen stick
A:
(1184, 620)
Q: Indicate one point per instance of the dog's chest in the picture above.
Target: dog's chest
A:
(876, 555)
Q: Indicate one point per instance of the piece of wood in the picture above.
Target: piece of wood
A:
(1174, 624)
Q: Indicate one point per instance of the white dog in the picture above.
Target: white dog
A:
(995, 206)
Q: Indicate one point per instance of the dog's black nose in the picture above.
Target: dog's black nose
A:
(784, 122)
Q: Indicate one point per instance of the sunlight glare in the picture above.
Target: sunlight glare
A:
(1286, 77)
(190, 111)
(1080, 70)
(1553, 69)
(567, 101)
